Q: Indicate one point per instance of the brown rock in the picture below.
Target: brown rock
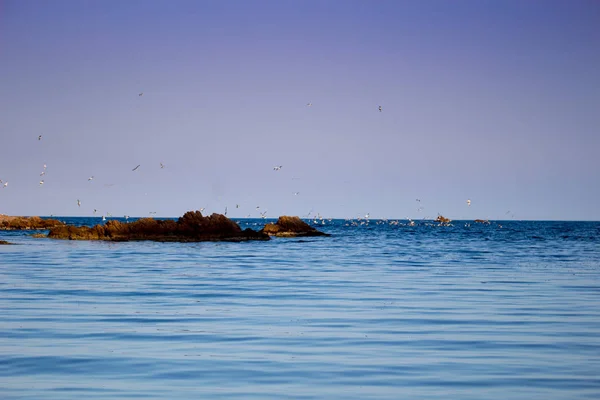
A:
(291, 227)
(482, 221)
(4, 242)
(191, 227)
(443, 220)
(8, 223)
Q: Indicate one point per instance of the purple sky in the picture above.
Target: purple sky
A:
(493, 101)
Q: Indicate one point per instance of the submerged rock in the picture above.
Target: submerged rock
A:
(191, 227)
(291, 227)
(4, 242)
(8, 223)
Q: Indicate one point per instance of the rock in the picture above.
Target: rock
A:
(8, 223)
(443, 220)
(191, 227)
(482, 221)
(4, 242)
(291, 227)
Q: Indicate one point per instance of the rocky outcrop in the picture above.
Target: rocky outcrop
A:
(4, 242)
(482, 221)
(291, 227)
(191, 227)
(443, 220)
(8, 223)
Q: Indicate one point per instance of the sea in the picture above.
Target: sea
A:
(381, 309)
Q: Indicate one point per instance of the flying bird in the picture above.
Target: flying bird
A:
(277, 168)
(136, 167)
(468, 202)
(78, 203)
(95, 211)
(43, 173)
(237, 206)
(41, 182)
(380, 109)
(141, 94)
(296, 193)
(5, 184)
(90, 178)
(40, 137)
(225, 210)
(309, 104)
(162, 165)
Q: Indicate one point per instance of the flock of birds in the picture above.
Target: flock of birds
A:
(316, 219)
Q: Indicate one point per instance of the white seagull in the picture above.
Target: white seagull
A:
(5, 184)
(90, 178)
(78, 203)
(469, 202)
(41, 182)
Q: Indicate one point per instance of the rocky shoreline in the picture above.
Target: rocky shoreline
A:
(191, 227)
(9, 223)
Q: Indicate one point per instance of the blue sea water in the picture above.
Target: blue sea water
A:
(509, 310)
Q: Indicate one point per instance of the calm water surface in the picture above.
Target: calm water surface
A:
(373, 312)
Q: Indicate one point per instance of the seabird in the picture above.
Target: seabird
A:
(5, 184)
(237, 206)
(136, 167)
(41, 182)
(309, 104)
(95, 211)
(380, 109)
(90, 178)
(78, 203)
(225, 210)
(468, 202)
(40, 137)
(296, 193)
(162, 165)
(43, 173)
(141, 94)
(277, 168)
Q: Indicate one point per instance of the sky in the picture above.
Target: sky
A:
(497, 102)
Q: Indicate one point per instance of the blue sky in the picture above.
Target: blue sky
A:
(493, 101)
